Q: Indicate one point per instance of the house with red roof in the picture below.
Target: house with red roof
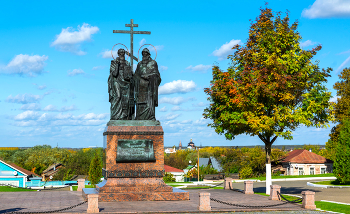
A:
(304, 162)
(178, 173)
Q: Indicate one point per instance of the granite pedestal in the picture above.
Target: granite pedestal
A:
(135, 180)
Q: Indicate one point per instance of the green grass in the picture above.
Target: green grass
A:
(333, 207)
(74, 188)
(334, 183)
(290, 198)
(263, 178)
(328, 206)
(13, 189)
(173, 185)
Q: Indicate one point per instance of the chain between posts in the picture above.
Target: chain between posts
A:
(52, 211)
(293, 201)
(259, 206)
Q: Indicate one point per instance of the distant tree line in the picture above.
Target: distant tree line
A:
(39, 158)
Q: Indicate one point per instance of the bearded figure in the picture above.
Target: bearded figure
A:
(121, 88)
(147, 80)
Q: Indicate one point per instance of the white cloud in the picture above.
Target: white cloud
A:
(40, 87)
(158, 48)
(24, 98)
(170, 116)
(142, 42)
(63, 109)
(202, 68)
(31, 106)
(176, 108)
(163, 68)
(50, 108)
(307, 43)
(177, 86)
(175, 100)
(107, 54)
(334, 99)
(328, 9)
(164, 109)
(343, 64)
(200, 104)
(24, 64)
(69, 40)
(98, 68)
(201, 121)
(31, 118)
(75, 72)
(344, 52)
(225, 49)
(27, 115)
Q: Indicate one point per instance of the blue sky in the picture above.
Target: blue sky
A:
(55, 58)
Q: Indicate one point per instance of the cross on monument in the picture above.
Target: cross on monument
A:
(132, 32)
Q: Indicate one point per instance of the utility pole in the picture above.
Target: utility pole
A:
(198, 162)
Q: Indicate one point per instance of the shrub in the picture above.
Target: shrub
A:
(168, 177)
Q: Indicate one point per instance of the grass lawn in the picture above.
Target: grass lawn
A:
(74, 188)
(290, 198)
(334, 182)
(14, 189)
(321, 204)
(333, 207)
(263, 178)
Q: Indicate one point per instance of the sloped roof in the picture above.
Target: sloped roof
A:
(204, 162)
(215, 163)
(171, 169)
(304, 156)
(27, 172)
(51, 167)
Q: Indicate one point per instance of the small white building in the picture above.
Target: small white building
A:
(178, 173)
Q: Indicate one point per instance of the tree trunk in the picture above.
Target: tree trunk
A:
(268, 167)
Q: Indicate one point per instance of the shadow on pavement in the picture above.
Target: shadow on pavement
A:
(287, 190)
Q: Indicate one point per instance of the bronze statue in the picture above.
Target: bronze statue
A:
(147, 79)
(121, 88)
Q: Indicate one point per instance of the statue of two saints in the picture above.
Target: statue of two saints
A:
(127, 89)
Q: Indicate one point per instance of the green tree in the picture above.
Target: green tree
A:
(341, 110)
(271, 87)
(342, 158)
(95, 170)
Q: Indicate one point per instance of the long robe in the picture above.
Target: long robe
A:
(147, 80)
(120, 89)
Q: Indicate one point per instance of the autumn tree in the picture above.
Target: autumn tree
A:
(341, 110)
(271, 87)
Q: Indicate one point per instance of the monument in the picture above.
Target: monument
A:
(134, 146)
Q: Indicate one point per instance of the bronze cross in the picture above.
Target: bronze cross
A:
(132, 32)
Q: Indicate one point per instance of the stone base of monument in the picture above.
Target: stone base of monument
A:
(136, 189)
(134, 164)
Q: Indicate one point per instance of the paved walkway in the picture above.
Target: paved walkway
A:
(53, 200)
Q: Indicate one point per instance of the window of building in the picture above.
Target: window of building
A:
(323, 170)
(301, 171)
(312, 170)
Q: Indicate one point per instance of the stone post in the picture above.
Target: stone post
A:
(308, 200)
(228, 183)
(248, 187)
(273, 192)
(81, 184)
(93, 203)
(204, 201)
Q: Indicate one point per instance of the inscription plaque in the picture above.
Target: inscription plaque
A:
(135, 151)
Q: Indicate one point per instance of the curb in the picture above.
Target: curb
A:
(325, 186)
